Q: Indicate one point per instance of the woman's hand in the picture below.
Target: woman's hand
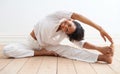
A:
(85, 20)
(105, 35)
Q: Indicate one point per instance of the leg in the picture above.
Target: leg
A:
(17, 50)
(44, 52)
(79, 54)
(74, 53)
(106, 58)
(103, 50)
(20, 51)
(107, 52)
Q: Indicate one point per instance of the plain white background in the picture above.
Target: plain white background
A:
(18, 17)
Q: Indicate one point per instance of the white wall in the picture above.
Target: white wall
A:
(17, 17)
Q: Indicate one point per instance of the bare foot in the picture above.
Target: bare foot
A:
(51, 53)
(106, 58)
(107, 50)
(44, 52)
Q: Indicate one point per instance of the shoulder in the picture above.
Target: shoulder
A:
(61, 14)
(64, 12)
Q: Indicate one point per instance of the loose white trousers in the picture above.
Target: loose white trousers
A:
(20, 50)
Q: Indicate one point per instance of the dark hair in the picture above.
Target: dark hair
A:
(78, 34)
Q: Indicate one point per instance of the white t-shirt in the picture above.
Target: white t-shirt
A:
(45, 30)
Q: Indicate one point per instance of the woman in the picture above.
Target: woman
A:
(46, 36)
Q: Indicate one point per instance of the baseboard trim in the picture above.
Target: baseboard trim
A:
(11, 39)
(5, 39)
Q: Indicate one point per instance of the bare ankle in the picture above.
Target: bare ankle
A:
(105, 58)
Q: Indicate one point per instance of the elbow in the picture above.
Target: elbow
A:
(75, 16)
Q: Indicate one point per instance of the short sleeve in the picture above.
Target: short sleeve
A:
(80, 43)
(61, 14)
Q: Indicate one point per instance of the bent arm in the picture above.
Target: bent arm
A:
(85, 20)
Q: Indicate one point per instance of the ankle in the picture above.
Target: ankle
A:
(105, 58)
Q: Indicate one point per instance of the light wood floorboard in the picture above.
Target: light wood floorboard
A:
(57, 65)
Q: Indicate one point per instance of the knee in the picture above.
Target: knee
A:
(9, 50)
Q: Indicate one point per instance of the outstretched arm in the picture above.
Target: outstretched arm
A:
(85, 20)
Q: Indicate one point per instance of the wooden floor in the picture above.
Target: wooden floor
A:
(57, 65)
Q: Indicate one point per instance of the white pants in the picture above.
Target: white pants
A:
(19, 50)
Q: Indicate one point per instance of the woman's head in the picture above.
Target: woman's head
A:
(78, 34)
(73, 29)
(67, 26)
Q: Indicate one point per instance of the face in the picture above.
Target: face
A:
(67, 26)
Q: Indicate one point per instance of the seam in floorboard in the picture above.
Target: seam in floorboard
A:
(57, 66)
(40, 64)
(6, 65)
(112, 68)
(74, 66)
(23, 65)
(92, 67)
